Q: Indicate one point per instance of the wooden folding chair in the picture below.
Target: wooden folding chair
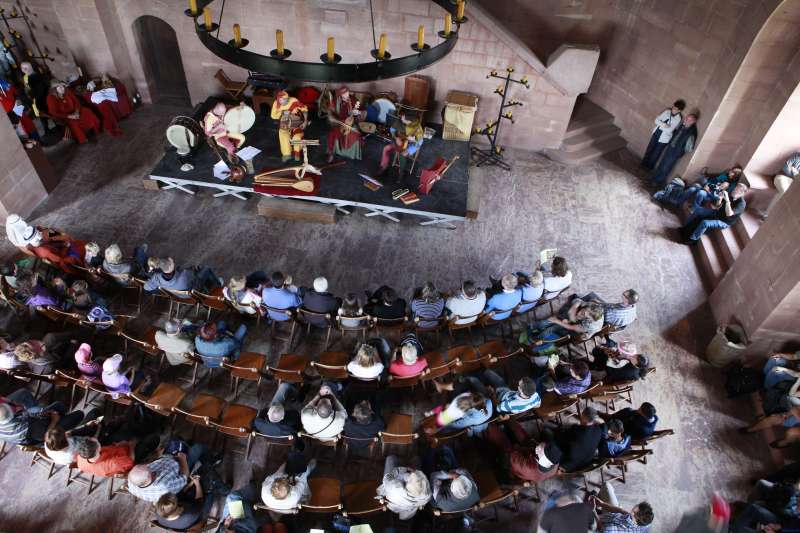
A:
(365, 322)
(270, 441)
(439, 324)
(490, 492)
(332, 365)
(453, 325)
(80, 479)
(286, 316)
(348, 441)
(359, 498)
(554, 296)
(586, 473)
(249, 366)
(552, 408)
(437, 366)
(290, 368)
(312, 319)
(467, 356)
(236, 421)
(527, 309)
(40, 458)
(390, 327)
(326, 496)
(397, 382)
(163, 400)
(658, 434)
(212, 302)
(75, 381)
(496, 352)
(399, 431)
(487, 320)
(609, 394)
(179, 298)
(621, 463)
(63, 316)
(233, 88)
(205, 408)
(146, 345)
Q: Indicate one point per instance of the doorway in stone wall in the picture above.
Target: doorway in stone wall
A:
(161, 60)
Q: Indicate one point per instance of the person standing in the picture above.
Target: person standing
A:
(683, 140)
(665, 123)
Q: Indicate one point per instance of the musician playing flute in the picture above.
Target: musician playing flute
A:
(344, 138)
(408, 136)
(293, 119)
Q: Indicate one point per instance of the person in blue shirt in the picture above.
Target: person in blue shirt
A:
(282, 295)
(214, 342)
(503, 302)
(616, 442)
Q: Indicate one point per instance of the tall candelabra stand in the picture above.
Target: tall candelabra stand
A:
(494, 154)
(21, 53)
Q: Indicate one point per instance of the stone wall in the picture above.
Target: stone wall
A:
(781, 140)
(20, 187)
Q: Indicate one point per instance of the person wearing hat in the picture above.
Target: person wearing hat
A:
(46, 243)
(22, 421)
(620, 363)
(176, 345)
(16, 231)
(118, 382)
(63, 104)
(292, 117)
(89, 368)
(410, 363)
(404, 490)
(214, 343)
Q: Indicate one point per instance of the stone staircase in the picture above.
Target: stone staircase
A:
(718, 250)
(591, 134)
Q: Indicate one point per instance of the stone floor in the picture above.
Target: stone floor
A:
(598, 216)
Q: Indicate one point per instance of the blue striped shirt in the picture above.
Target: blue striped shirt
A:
(510, 401)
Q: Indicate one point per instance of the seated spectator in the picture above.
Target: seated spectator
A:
(61, 250)
(404, 490)
(116, 381)
(324, 416)
(427, 304)
(175, 344)
(616, 442)
(8, 359)
(319, 300)
(92, 257)
(167, 278)
(106, 461)
(193, 504)
(780, 368)
(81, 298)
(559, 279)
(510, 401)
(363, 424)
(123, 271)
(36, 357)
(385, 304)
(366, 364)
(278, 421)
(723, 213)
(467, 304)
(579, 443)
(756, 518)
(34, 294)
(238, 516)
(468, 410)
(245, 299)
(453, 488)
(410, 362)
(622, 314)
(524, 458)
(779, 498)
(22, 421)
(89, 368)
(504, 302)
(61, 445)
(282, 295)
(577, 318)
(532, 287)
(789, 419)
(350, 312)
(639, 424)
(614, 519)
(288, 487)
(568, 514)
(618, 364)
(167, 474)
(215, 342)
(571, 378)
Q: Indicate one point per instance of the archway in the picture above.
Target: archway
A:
(161, 60)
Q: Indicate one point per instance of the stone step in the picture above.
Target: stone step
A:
(727, 246)
(589, 153)
(587, 111)
(580, 127)
(576, 141)
(758, 180)
(712, 265)
(747, 226)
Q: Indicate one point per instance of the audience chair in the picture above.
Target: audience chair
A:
(146, 344)
(74, 381)
(286, 442)
(316, 320)
(236, 422)
(621, 463)
(396, 382)
(527, 309)
(554, 296)
(436, 328)
(40, 458)
(393, 327)
(212, 302)
(290, 368)
(359, 498)
(314, 442)
(437, 366)
(347, 441)
(111, 398)
(281, 315)
(196, 528)
(238, 312)
(125, 288)
(453, 326)
(658, 434)
(7, 295)
(259, 506)
(399, 431)
(262, 97)
(585, 474)
(493, 352)
(233, 88)
(80, 479)
(163, 400)
(585, 395)
(326, 496)
(469, 359)
(552, 408)
(608, 395)
(107, 327)
(332, 365)
(205, 408)
(179, 298)
(249, 366)
(441, 437)
(365, 322)
(56, 314)
(490, 492)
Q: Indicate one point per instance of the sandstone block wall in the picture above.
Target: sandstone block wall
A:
(20, 187)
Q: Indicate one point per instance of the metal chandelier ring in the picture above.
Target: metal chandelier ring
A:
(322, 72)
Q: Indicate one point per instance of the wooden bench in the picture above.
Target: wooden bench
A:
(296, 210)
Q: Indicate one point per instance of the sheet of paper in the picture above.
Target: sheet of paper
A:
(248, 152)
(547, 254)
(237, 509)
(221, 171)
(361, 528)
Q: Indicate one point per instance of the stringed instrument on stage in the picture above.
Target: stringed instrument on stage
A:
(343, 125)
(429, 176)
(292, 121)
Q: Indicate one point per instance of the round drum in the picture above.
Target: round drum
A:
(239, 119)
(184, 133)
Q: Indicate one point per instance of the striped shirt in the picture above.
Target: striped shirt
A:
(15, 430)
(620, 315)
(621, 523)
(422, 309)
(510, 401)
(168, 478)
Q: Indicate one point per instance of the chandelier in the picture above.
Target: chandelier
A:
(330, 68)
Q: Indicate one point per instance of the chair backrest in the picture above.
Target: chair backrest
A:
(388, 323)
(472, 319)
(332, 442)
(236, 420)
(74, 318)
(330, 371)
(287, 440)
(143, 344)
(209, 300)
(290, 368)
(432, 324)
(397, 382)
(363, 320)
(222, 77)
(358, 440)
(261, 507)
(554, 295)
(658, 434)
(314, 318)
(233, 366)
(281, 315)
(178, 296)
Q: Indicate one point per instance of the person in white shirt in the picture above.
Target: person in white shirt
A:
(245, 300)
(468, 303)
(532, 287)
(404, 490)
(665, 123)
(366, 364)
(175, 345)
(559, 279)
(324, 416)
(283, 492)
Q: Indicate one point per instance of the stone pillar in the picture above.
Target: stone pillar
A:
(762, 289)
(20, 187)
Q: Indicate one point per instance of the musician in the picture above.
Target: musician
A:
(36, 88)
(407, 133)
(343, 138)
(62, 103)
(104, 99)
(16, 112)
(293, 119)
(214, 127)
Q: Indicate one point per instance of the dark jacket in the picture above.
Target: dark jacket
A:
(579, 445)
(290, 424)
(319, 302)
(362, 431)
(636, 425)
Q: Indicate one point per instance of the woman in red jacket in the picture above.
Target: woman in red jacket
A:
(63, 104)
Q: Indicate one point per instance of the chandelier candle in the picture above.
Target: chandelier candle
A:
(382, 46)
(448, 24)
(460, 11)
(331, 51)
(237, 35)
(421, 38)
(207, 18)
(279, 41)
(193, 7)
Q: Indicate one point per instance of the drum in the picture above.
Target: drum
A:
(184, 133)
(239, 119)
(367, 127)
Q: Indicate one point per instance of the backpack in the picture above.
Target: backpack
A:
(742, 380)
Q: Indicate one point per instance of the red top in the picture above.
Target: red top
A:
(115, 459)
(400, 369)
(63, 107)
